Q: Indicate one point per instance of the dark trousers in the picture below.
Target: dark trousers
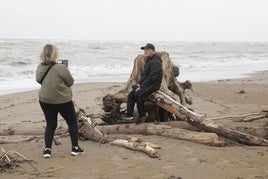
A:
(67, 111)
(138, 97)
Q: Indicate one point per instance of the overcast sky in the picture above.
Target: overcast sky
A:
(180, 20)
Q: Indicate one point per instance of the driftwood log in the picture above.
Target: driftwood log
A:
(201, 122)
(166, 131)
(89, 131)
(137, 144)
(12, 141)
(245, 117)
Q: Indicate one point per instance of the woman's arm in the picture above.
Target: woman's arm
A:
(38, 74)
(66, 75)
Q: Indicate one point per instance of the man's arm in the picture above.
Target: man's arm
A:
(156, 70)
(143, 77)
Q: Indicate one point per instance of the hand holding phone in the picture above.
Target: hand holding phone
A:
(64, 62)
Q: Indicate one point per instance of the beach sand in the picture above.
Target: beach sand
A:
(178, 158)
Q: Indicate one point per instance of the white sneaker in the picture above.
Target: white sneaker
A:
(76, 151)
(47, 153)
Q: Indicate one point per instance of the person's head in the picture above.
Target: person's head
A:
(49, 54)
(149, 50)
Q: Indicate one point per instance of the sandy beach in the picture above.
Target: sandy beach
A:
(178, 158)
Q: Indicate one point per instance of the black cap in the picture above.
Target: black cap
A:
(148, 46)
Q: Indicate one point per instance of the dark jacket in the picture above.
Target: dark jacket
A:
(152, 74)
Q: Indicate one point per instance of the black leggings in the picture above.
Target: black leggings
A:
(51, 114)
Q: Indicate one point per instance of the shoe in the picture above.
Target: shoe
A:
(47, 153)
(76, 151)
(142, 119)
(125, 119)
(128, 118)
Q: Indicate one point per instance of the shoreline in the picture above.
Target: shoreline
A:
(244, 76)
(249, 77)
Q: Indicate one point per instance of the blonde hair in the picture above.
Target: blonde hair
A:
(49, 54)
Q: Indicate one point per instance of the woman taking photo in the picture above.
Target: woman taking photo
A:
(55, 96)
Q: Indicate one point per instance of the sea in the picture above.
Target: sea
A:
(112, 61)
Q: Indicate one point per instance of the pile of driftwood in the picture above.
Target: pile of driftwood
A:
(170, 102)
(90, 130)
(11, 159)
(7, 162)
(167, 104)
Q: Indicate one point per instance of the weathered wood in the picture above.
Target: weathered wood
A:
(201, 122)
(253, 118)
(182, 134)
(135, 144)
(53, 170)
(164, 130)
(181, 125)
(135, 139)
(123, 129)
(31, 132)
(12, 141)
(244, 117)
(89, 131)
(137, 147)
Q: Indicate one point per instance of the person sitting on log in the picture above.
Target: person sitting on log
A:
(149, 82)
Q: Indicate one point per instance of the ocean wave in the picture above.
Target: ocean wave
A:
(101, 69)
(9, 76)
(19, 63)
(102, 60)
(117, 68)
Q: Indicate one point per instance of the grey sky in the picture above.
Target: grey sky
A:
(182, 20)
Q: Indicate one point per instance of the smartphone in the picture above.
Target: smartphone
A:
(64, 62)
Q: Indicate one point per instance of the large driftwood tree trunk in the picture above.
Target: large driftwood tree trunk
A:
(170, 86)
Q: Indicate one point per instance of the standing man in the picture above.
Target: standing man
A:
(150, 82)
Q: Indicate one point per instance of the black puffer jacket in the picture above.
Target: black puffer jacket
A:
(152, 74)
